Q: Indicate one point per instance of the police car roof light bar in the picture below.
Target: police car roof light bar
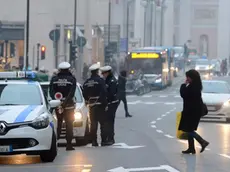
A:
(18, 75)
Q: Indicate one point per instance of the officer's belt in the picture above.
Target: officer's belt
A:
(70, 107)
(115, 101)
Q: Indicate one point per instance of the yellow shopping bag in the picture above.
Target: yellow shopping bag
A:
(180, 134)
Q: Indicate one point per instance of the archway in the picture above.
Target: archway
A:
(204, 45)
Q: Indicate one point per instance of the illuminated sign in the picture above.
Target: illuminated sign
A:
(145, 55)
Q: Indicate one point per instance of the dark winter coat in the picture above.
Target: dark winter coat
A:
(192, 107)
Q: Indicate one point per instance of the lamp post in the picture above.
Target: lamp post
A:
(162, 21)
(109, 22)
(127, 26)
(27, 32)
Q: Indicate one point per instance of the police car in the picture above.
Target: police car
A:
(81, 122)
(26, 125)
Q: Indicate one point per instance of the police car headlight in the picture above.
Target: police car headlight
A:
(196, 68)
(158, 80)
(41, 122)
(227, 103)
(77, 116)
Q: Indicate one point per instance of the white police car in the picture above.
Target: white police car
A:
(26, 125)
(81, 122)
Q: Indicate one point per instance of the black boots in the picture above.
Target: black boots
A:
(69, 147)
(191, 147)
(127, 115)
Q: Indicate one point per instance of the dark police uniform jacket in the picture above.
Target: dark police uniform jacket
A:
(112, 89)
(94, 91)
(65, 83)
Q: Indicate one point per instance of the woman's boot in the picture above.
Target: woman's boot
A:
(191, 146)
(202, 142)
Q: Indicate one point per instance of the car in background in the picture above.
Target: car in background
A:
(216, 66)
(26, 124)
(191, 61)
(203, 66)
(154, 80)
(81, 123)
(216, 95)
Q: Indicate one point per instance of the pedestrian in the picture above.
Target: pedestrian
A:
(63, 86)
(112, 88)
(193, 110)
(95, 95)
(122, 91)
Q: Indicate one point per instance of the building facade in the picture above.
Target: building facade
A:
(46, 15)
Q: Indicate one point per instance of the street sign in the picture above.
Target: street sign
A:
(81, 41)
(162, 167)
(54, 35)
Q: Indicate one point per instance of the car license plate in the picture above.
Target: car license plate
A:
(5, 149)
(211, 108)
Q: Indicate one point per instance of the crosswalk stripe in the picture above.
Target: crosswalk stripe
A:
(153, 103)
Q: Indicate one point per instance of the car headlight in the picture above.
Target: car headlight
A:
(77, 116)
(158, 80)
(210, 67)
(40, 122)
(227, 103)
(197, 68)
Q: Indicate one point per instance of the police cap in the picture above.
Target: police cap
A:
(64, 65)
(105, 68)
(93, 67)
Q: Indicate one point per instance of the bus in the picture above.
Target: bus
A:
(154, 64)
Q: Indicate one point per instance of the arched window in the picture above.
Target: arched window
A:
(204, 45)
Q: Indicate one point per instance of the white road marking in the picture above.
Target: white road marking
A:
(168, 112)
(177, 96)
(159, 131)
(158, 119)
(169, 136)
(131, 96)
(153, 122)
(133, 103)
(147, 96)
(164, 115)
(224, 155)
(162, 96)
(168, 103)
(153, 126)
(182, 141)
(150, 103)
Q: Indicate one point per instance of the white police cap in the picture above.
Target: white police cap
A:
(64, 65)
(95, 66)
(105, 68)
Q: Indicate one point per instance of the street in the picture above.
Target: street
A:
(146, 142)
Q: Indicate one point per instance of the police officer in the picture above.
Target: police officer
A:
(112, 87)
(95, 94)
(63, 86)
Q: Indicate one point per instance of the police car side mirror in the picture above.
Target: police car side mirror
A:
(54, 103)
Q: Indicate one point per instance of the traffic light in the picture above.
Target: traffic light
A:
(43, 52)
(108, 54)
(12, 49)
(73, 51)
(1, 49)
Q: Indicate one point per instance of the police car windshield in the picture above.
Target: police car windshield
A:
(20, 94)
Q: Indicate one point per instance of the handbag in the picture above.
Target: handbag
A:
(205, 110)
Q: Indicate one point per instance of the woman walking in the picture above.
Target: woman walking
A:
(193, 110)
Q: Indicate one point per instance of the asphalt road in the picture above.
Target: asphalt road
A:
(145, 142)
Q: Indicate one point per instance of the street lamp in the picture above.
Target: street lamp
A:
(27, 32)
(127, 25)
(163, 7)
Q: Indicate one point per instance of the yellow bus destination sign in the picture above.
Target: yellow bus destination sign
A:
(144, 55)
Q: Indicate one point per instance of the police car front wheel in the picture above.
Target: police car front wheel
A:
(50, 155)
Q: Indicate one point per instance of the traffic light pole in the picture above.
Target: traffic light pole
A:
(6, 58)
(72, 60)
(38, 49)
(109, 26)
(27, 32)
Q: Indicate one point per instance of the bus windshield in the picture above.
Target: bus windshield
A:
(147, 66)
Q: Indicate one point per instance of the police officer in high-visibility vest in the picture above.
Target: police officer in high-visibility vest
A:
(112, 88)
(95, 94)
(63, 87)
